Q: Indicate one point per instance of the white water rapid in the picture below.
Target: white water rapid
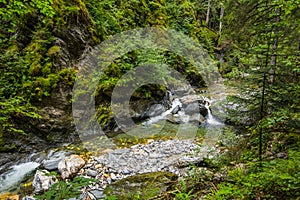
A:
(15, 175)
(176, 102)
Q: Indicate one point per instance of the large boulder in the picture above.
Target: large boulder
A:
(156, 109)
(70, 166)
(53, 159)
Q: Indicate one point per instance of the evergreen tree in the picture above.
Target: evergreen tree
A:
(264, 39)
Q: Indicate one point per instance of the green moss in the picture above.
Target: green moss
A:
(67, 76)
(104, 114)
(143, 186)
(53, 51)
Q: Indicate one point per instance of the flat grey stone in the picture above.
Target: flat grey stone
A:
(91, 173)
(98, 194)
(53, 159)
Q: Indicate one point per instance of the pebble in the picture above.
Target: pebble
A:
(168, 156)
(113, 176)
(91, 173)
(156, 156)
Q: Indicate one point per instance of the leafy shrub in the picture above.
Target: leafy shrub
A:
(66, 190)
(278, 179)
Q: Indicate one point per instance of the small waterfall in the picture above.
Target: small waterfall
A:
(15, 175)
(176, 102)
(181, 114)
(210, 118)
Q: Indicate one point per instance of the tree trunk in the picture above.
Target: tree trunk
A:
(221, 17)
(274, 48)
(208, 12)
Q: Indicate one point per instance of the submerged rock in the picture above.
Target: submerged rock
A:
(70, 166)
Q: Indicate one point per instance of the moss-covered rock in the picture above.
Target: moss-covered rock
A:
(147, 186)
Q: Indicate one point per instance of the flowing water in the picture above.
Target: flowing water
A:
(210, 119)
(15, 175)
(176, 102)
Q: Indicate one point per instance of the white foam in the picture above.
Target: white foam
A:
(15, 175)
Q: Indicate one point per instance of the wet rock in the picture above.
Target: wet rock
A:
(174, 119)
(42, 181)
(155, 110)
(192, 108)
(38, 157)
(70, 166)
(7, 160)
(53, 159)
(55, 124)
(176, 110)
(182, 91)
(197, 119)
(203, 110)
(223, 108)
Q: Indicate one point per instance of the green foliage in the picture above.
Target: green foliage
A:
(15, 107)
(251, 29)
(12, 11)
(27, 73)
(111, 17)
(9, 110)
(278, 179)
(111, 197)
(182, 192)
(66, 190)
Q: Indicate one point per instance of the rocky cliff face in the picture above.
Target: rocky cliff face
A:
(70, 42)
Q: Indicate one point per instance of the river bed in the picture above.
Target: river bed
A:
(155, 128)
